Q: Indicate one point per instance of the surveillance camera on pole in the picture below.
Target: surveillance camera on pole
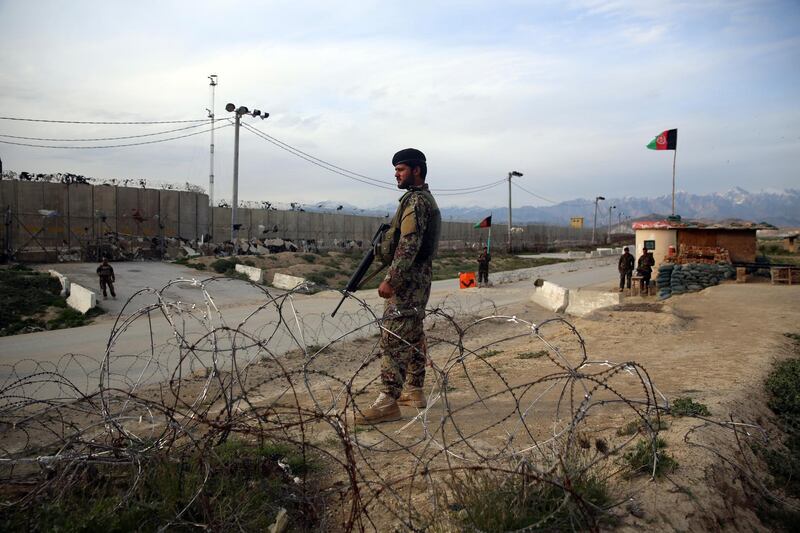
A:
(242, 110)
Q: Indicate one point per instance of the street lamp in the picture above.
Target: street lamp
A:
(594, 227)
(241, 110)
(608, 234)
(511, 174)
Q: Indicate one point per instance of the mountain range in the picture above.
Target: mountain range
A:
(780, 208)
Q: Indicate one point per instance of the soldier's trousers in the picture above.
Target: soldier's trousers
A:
(623, 277)
(106, 282)
(403, 346)
(483, 275)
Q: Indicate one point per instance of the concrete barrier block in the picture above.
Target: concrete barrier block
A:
(254, 274)
(551, 296)
(605, 252)
(190, 252)
(285, 281)
(576, 255)
(64, 281)
(583, 301)
(80, 298)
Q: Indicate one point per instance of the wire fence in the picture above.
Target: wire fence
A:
(509, 401)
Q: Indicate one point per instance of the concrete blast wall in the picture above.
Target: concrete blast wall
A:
(56, 215)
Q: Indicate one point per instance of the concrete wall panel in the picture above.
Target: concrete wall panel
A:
(203, 215)
(81, 214)
(105, 209)
(169, 202)
(150, 211)
(222, 224)
(188, 215)
(128, 211)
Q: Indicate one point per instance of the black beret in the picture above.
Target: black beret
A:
(408, 155)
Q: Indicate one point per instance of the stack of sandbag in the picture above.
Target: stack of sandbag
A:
(690, 277)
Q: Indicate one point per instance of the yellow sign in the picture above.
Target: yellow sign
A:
(576, 222)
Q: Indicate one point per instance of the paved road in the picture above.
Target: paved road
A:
(236, 301)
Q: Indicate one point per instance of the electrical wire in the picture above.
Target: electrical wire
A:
(355, 175)
(112, 145)
(102, 122)
(315, 161)
(547, 199)
(107, 138)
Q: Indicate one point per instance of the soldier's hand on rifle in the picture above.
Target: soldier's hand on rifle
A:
(385, 290)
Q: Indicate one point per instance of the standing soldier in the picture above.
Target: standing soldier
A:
(106, 273)
(409, 246)
(483, 267)
(645, 269)
(625, 268)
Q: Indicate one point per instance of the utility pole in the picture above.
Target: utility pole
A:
(241, 110)
(213, 84)
(594, 226)
(608, 233)
(619, 221)
(511, 174)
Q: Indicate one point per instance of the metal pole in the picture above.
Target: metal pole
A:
(509, 212)
(235, 180)
(608, 231)
(674, 157)
(594, 227)
(213, 84)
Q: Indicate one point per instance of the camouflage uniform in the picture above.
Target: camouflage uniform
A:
(107, 279)
(409, 274)
(483, 267)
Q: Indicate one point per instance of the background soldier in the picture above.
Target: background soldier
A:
(625, 268)
(409, 246)
(645, 269)
(107, 278)
(483, 267)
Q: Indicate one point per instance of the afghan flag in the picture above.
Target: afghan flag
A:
(485, 223)
(666, 140)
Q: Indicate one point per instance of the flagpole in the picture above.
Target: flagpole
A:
(674, 157)
(489, 241)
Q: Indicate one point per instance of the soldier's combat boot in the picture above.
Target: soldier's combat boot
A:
(385, 409)
(412, 396)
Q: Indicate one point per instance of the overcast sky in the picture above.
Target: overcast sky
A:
(567, 92)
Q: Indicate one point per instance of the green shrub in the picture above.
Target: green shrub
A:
(308, 258)
(640, 459)
(494, 502)
(532, 355)
(222, 266)
(783, 387)
(242, 490)
(688, 407)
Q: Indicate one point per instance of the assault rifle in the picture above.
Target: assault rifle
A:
(356, 280)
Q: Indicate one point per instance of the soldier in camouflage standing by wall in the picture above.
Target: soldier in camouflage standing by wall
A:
(409, 247)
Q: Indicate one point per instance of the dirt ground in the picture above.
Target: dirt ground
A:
(715, 346)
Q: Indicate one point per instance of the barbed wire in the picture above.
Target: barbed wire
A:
(180, 375)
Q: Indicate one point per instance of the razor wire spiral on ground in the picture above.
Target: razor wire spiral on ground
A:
(279, 375)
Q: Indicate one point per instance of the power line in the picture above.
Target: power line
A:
(355, 175)
(314, 161)
(109, 145)
(102, 122)
(106, 138)
(289, 147)
(548, 200)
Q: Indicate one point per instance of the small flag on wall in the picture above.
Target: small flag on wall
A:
(485, 223)
(666, 140)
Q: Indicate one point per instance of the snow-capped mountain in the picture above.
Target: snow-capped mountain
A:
(780, 208)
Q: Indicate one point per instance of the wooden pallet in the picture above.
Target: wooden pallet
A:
(785, 275)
